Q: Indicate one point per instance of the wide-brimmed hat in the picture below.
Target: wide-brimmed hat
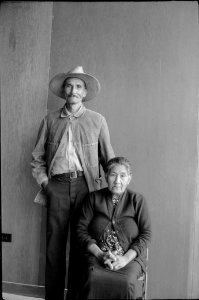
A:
(92, 84)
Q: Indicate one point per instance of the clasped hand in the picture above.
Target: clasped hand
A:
(113, 261)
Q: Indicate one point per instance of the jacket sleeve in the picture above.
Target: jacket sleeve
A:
(85, 219)
(144, 224)
(105, 148)
(39, 166)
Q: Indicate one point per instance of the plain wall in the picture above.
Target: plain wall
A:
(145, 56)
(25, 56)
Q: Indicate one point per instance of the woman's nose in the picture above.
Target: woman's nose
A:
(117, 178)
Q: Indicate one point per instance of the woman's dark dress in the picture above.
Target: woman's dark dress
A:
(131, 222)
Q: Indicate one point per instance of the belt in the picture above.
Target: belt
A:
(69, 175)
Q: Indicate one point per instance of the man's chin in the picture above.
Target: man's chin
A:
(73, 100)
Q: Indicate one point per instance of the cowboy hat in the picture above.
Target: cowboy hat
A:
(92, 84)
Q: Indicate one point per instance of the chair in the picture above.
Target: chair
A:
(144, 278)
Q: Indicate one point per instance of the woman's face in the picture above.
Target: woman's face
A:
(118, 178)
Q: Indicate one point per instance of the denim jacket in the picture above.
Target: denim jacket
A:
(91, 140)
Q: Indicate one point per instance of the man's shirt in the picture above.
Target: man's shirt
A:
(67, 159)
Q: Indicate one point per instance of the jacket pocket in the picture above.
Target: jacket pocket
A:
(91, 154)
(51, 148)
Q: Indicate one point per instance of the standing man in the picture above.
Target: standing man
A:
(72, 142)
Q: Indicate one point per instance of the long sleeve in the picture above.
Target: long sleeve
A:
(39, 166)
(84, 237)
(144, 224)
(105, 149)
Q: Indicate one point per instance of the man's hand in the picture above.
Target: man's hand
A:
(44, 184)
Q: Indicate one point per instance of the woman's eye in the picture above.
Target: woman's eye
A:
(123, 176)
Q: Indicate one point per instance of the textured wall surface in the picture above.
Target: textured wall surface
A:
(25, 54)
(146, 58)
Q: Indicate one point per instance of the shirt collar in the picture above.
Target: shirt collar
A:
(66, 114)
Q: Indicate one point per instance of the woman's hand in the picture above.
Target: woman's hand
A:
(112, 261)
(108, 259)
(120, 262)
(105, 258)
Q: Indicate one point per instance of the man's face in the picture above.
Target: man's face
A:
(74, 90)
(118, 179)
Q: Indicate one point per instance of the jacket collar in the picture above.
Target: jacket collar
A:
(66, 114)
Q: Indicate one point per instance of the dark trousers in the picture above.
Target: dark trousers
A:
(63, 209)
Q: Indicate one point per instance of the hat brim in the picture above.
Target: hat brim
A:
(92, 84)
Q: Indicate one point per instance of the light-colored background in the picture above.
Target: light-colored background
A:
(145, 56)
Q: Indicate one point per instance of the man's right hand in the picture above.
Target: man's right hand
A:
(44, 184)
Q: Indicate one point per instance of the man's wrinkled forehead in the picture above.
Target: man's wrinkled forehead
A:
(72, 79)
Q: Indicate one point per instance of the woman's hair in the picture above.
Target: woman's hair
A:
(119, 160)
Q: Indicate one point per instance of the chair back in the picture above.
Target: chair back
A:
(144, 278)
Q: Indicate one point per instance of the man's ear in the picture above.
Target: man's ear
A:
(85, 92)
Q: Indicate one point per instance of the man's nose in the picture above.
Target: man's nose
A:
(73, 89)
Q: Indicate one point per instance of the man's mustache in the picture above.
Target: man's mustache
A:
(73, 95)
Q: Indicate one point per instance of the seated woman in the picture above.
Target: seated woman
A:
(114, 231)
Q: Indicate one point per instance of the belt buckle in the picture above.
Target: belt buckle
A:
(73, 176)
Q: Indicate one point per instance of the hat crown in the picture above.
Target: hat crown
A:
(76, 70)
